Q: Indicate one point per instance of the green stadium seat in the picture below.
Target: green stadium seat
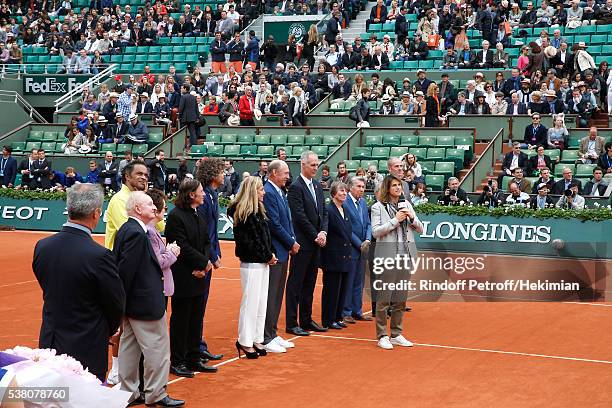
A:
(248, 150)
(374, 140)
(124, 147)
(278, 140)
(558, 173)
(446, 141)
(288, 150)
(213, 138)
(427, 167)
(130, 50)
(436, 153)
(569, 156)
(411, 64)
(163, 40)
(375, 27)
(364, 164)
(215, 150)
(391, 140)
(244, 139)
(295, 140)
(18, 147)
(232, 150)
(32, 145)
(427, 141)
(380, 153)
(298, 150)
(108, 147)
(48, 136)
(48, 146)
(141, 58)
(313, 140)
(554, 154)
(445, 168)
(419, 152)
(36, 135)
(139, 149)
(435, 182)
(409, 140)
(457, 155)
(398, 151)
(331, 140)
(261, 140)
(351, 165)
(320, 151)
(198, 150)
(265, 151)
(585, 170)
(396, 65)
(362, 152)
(156, 137)
(228, 139)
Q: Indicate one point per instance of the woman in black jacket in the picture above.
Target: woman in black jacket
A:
(336, 258)
(432, 106)
(190, 232)
(254, 249)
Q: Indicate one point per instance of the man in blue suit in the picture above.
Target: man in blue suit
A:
(8, 168)
(360, 242)
(283, 240)
(210, 174)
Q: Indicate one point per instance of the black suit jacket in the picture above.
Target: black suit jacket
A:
(188, 108)
(488, 57)
(83, 297)
(522, 161)
(158, 174)
(383, 13)
(25, 165)
(140, 272)
(533, 163)
(148, 107)
(336, 254)
(522, 109)
(559, 186)
(541, 136)
(550, 184)
(10, 172)
(308, 219)
(111, 173)
(349, 62)
(384, 61)
(208, 27)
(190, 231)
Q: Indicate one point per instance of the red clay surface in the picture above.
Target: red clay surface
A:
(466, 354)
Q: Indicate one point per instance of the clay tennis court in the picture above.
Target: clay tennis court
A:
(466, 354)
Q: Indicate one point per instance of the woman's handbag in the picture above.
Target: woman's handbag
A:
(433, 40)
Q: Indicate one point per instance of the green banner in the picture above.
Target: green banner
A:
(564, 238)
(51, 84)
(282, 26)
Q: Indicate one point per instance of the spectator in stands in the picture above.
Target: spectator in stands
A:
(491, 196)
(162, 111)
(462, 106)
(467, 57)
(362, 109)
(539, 162)
(343, 174)
(605, 160)
(246, 107)
(137, 131)
(91, 104)
(571, 199)
(449, 60)
(379, 60)
(93, 174)
(231, 180)
(541, 200)
(82, 64)
(512, 160)
(481, 107)
(453, 195)
(535, 134)
(262, 171)
(296, 108)
(500, 106)
(519, 179)
(591, 147)
(516, 107)
(566, 182)
(537, 105)
(108, 170)
(143, 105)
(544, 178)
(404, 106)
(418, 49)
(269, 52)
(558, 134)
(218, 48)
(596, 187)
(8, 168)
(516, 196)
(235, 49)
(103, 132)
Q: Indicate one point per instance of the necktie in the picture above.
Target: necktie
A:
(312, 192)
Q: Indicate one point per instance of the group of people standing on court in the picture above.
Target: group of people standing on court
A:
(283, 234)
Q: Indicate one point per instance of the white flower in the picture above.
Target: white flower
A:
(596, 205)
(461, 202)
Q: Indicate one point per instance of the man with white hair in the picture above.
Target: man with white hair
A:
(145, 330)
(379, 60)
(484, 57)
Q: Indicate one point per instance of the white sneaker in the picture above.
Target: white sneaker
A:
(384, 343)
(283, 343)
(401, 341)
(274, 347)
(113, 377)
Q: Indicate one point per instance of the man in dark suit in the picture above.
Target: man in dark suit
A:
(401, 25)
(463, 106)
(8, 168)
(538, 162)
(515, 106)
(596, 186)
(82, 292)
(380, 60)
(143, 105)
(361, 236)
(309, 217)
(349, 58)
(211, 174)
(41, 170)
(284, 243)
(188, 114)
(363, 60)
(484, 57)
(563, 62)
(208, 26)
(566, 182)
(544, 178)
(378, 14)
(536, 134)
(120, 128)
(342, 89)
(158, 173)
(108, 172)
(145, 331)
(512, 160)
(541, 200)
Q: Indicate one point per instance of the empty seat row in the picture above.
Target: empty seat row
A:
(264, 152)
(277, 140)
(420, 141)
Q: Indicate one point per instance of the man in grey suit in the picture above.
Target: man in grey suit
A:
(188, 114)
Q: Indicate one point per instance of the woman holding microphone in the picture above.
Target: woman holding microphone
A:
(335, 258)
(254, 249)
(393, 224)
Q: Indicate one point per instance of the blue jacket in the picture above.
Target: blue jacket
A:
(93, 176)
(252, 52)
(361, 226)
(279, 222)
(139, 133)
(336, 253)
(210, 212)
(9, 171)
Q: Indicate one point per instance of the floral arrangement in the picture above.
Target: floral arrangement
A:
(49, 357)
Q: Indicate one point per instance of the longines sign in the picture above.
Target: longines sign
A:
(479, 231)
(51, 85)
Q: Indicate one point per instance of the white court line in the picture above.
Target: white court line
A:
(17, 283)
(514, 353)
(589, 304)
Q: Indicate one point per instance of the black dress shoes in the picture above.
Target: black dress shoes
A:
(202, 367)
(297, 331)
(181, 371)
(138, 401)
(334, 326)
(168, 401)
(341, 324)
(210, 356)
(314, 327)
(408, 309)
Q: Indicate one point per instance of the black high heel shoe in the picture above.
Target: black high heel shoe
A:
(260, 351)
(251, 355)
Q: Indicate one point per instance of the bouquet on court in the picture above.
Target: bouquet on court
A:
(54, 380)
